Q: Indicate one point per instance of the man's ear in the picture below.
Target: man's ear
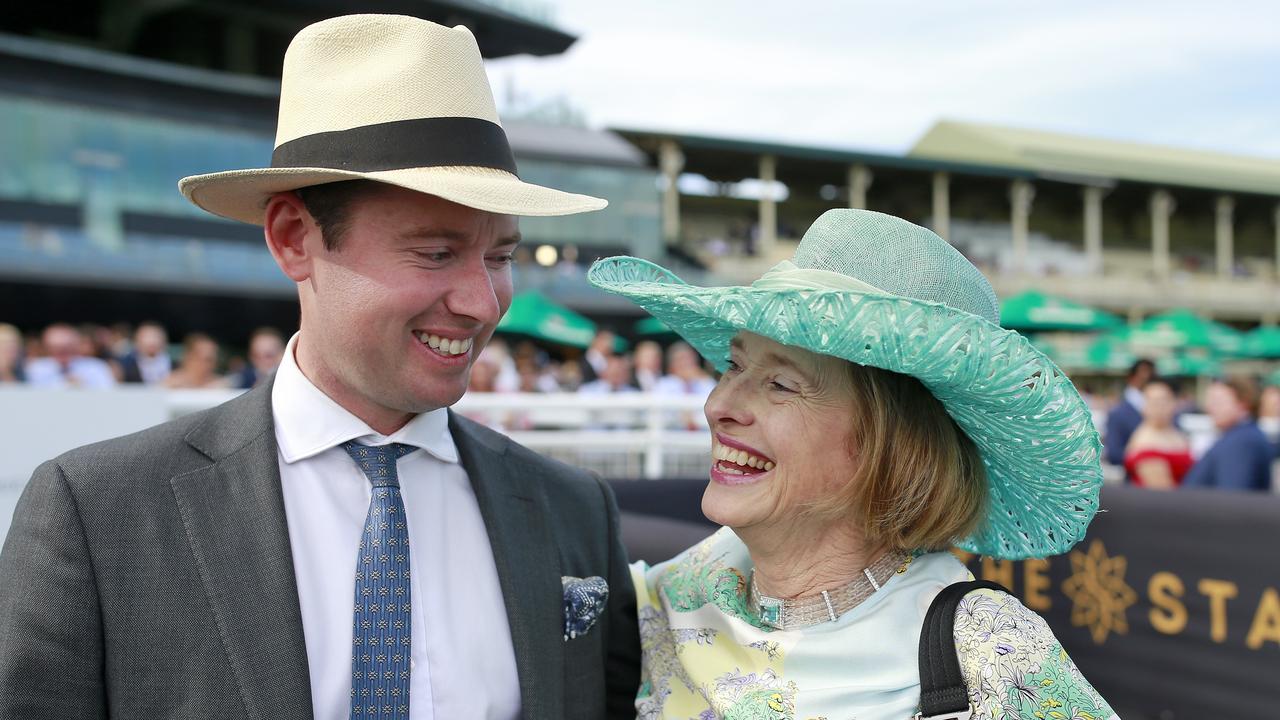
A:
(286, 226)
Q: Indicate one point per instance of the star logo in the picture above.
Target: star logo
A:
(1098, 592)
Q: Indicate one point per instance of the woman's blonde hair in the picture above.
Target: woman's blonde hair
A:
(919, 482)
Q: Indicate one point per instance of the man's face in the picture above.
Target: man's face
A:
(617, 372)
(393, 319)
(265, 352)
(150, 340)
(1223, 406)
(1142, 375)
(62, 344)
(683, 362)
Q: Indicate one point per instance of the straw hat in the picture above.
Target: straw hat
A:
(389, 98)
(877, 290)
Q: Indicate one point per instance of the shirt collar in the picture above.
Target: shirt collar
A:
(308, 422)
(1135, 397)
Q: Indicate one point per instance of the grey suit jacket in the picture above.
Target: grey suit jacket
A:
(150, 576)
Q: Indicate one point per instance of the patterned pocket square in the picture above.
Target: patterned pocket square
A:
(584, 600)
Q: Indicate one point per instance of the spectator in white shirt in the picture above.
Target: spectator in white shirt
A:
(65, 366)
(615, 379)
(686, 377)
(149, 363)
(648, 363)
(10, 355)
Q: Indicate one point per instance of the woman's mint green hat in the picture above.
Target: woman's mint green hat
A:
(877, 290)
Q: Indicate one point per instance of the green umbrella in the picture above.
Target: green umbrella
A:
(1188, 366)
(1033, 310)
(1184, 329)
(1042, 343)
(532, 314)
(652, 326)
(1110, 352)
(1263, 342)
(1106, 354)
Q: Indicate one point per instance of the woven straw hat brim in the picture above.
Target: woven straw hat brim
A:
(242, 194)
(1034, 431)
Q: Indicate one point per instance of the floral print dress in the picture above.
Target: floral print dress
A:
(707, 657)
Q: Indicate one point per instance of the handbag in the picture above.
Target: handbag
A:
(943, 694)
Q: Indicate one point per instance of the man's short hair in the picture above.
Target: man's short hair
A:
(1165, 380)
(1138, 366)
(919, 483)
(265, 331)
(1246, 390)
(330, 206)
(191, 340)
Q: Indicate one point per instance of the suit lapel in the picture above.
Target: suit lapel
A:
(233, 513)
(515, 516)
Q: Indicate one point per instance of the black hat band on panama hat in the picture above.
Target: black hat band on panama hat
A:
(401, 144)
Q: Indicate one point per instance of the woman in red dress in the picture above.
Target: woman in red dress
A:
(1158, 454)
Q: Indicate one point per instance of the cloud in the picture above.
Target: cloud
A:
(878, 75)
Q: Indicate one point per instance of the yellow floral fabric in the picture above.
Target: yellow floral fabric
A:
(707, 657)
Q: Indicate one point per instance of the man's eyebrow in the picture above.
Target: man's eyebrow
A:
(452, 235)
(428, 232)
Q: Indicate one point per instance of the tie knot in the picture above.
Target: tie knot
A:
(378, 462)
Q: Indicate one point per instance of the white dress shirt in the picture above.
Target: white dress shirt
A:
(84, 372)
(1135, 397)
(154, 369)
(463, 663)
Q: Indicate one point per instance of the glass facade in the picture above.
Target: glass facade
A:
(108, 163)
(62, 153)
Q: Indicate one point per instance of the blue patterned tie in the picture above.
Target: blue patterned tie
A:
(382, 635)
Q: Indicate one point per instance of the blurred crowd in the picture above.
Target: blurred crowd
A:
(602, 369)
(1143, 433)
(102, 356)
(1145, 437)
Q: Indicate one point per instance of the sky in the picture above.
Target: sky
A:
(876, 76)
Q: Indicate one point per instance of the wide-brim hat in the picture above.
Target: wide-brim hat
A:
(393, 99)
(879, 291)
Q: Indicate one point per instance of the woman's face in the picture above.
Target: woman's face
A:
(782, 423)
(1269, 404)
(202, 358)
(1159, 404)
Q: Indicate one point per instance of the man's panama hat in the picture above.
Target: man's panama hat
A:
(389, 98)
(877, 290)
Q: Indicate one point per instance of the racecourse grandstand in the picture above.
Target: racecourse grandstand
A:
(1135, 229)
(101, 113)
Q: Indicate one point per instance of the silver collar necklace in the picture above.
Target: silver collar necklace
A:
(827, 606)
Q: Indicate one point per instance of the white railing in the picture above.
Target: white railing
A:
(625, 435)
(619, 436)
(630, 435)
(664, 431)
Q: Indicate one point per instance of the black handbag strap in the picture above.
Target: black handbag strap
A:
(943, 694)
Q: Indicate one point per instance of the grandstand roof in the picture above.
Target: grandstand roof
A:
(161, 89)
(730, 158)
(250, 36)
(568, 143)
(1096, 161)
